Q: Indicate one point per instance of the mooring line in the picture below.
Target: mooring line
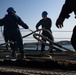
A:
(22, 37)
(50, 41)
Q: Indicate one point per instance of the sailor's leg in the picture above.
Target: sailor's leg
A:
(51, 44)
(43, 46)
(20, 44)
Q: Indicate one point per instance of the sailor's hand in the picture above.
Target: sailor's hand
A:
(59, 22)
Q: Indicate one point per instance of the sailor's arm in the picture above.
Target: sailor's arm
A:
(21, 23)
(38, 24)
(66, 10)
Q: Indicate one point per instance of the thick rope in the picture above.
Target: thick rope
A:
(22, 37)
(50, 41)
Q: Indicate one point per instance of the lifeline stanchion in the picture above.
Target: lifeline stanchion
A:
(38, 41)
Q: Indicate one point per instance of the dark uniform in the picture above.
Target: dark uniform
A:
(47, 25)
(12, 32)
(5, 39)
(69, 7)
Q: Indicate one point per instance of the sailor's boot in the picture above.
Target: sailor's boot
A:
(13, 53)
(22, 54)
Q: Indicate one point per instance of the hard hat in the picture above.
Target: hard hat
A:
(44, 13)
(11, 9)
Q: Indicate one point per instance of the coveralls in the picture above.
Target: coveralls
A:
(47, 25)
(12, 32)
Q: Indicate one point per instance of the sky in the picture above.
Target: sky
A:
(30, 12)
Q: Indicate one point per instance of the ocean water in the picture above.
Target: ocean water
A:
(70, 47)
(34, 47)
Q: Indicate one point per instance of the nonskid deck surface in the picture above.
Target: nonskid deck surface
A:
(36, 63)
(34, 54)
(32, 71)
(37, 55)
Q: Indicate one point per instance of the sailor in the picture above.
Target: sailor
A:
(68, 7)
(46, 23)
(12, 32)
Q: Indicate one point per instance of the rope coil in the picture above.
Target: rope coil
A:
(35, 36)
(50, 41)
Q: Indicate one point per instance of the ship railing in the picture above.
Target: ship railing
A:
(31, 41)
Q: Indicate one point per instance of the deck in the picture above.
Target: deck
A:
(57, 63)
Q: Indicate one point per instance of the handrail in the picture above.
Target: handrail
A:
(40, 29)
(60, 31)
